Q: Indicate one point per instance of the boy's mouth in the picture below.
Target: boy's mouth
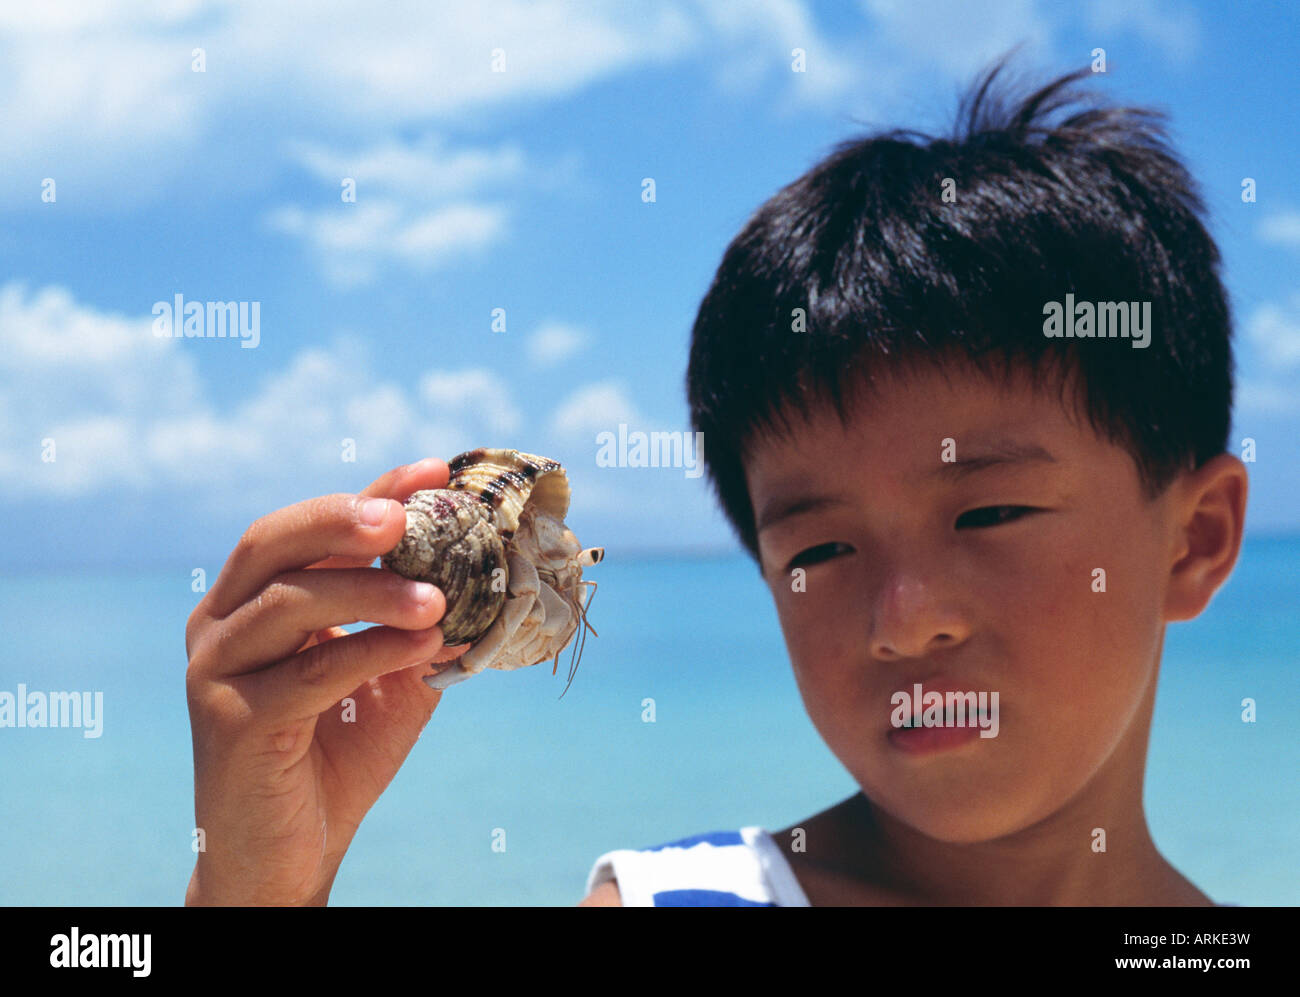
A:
(917, 703)
(973, 718)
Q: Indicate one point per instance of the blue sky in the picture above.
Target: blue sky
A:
(518, 190)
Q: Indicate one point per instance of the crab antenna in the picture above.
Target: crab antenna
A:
(576, 658)
(582, 609)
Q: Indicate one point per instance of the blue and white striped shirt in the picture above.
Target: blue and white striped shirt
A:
(742, 868)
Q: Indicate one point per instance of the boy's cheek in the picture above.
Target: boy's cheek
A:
(1051, 578)
(826, 654)
(811, 646)
(808, 606)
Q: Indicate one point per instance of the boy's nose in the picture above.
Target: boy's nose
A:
(910, 619)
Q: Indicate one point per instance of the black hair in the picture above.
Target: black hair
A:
(889, 272)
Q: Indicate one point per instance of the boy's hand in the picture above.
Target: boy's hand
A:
(281, 779)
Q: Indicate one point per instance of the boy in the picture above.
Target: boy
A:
(943, 488)
(970, 502)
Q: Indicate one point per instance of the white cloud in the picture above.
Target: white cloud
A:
(431, 237)
(95, 98)
(352, 241)
(50, 330)
(101, 91)
(199, 444)
(1265, 399)
(593, 409)
(422, 170)
(81, 359)
(160, 445)
(127, 408)
(412, 206)
(82, 448)
(1172, 27)
(1275, 331)
(476, 392)
(757, 42)
(1281, 229)
(954, 36)
(554, 342)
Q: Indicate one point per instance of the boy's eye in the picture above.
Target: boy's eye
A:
(992, 515)
(819, 553)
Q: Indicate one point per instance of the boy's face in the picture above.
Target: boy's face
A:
(913, 574)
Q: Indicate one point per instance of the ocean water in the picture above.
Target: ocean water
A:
(109, 820)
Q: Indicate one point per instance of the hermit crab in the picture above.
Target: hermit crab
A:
(495, 543)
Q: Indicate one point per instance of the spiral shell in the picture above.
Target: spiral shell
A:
(507, 480)
(450, 541)
(495, 542)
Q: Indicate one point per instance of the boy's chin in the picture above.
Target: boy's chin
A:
(982, 814)
(965, 828)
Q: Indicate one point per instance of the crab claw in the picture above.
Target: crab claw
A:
(446, 677)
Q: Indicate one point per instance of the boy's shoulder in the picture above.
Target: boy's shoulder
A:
(805, 864)
(821, 851)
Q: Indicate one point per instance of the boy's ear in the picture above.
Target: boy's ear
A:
(1210, 511)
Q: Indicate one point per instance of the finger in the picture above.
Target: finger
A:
(399, 484)
(291, 538)
(359, 549)
(321, 636)
(329, 633)
(449, 652)
(398, 703)
(408, 686)
(297, 604)
(312, 681)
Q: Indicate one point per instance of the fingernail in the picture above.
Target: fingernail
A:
(421, 592)
(373, 511)
(421, 465)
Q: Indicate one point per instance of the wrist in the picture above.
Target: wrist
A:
(200, 893)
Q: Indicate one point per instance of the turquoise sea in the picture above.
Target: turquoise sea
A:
(108, 821)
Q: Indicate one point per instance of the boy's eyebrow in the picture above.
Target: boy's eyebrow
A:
(983, 455)
(992, 454)
(785, 507)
